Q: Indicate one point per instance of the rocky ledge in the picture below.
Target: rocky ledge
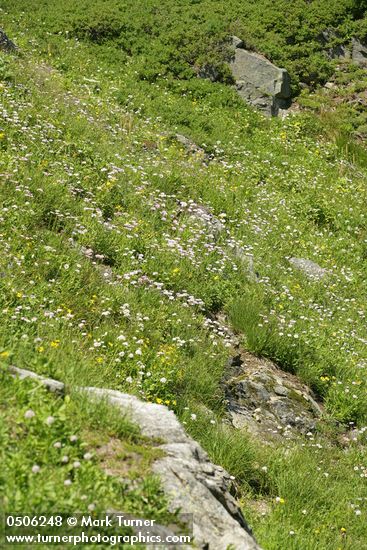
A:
(191, 482)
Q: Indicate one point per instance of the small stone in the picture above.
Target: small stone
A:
(281, 390)
(205, 217)
(237, 42)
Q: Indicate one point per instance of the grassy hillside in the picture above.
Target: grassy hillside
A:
(108, 279)
(52, 451)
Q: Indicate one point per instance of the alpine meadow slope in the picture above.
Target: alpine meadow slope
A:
(155, 231)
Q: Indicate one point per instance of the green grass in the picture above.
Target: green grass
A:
(317, 509)
(50, 460)
(88, 158)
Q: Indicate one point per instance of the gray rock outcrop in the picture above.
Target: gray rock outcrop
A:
(359, 53)
(247, 261)
(334, 49)
(205, 217)
(311, 269)
(190, 146)
(355, 51)
(208, 71)
(191, 482)
(6, 45)
(53, 386)
(258, 81)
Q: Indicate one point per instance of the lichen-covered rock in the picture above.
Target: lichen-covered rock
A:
(258, 81)
(267, 401)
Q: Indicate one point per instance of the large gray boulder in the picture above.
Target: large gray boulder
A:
(260, 82)
(359, 53)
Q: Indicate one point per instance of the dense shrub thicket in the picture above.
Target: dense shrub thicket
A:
(177, 38)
